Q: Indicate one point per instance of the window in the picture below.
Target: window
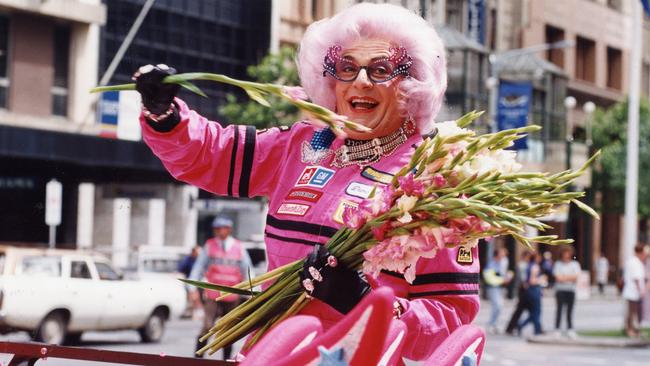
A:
(555, 55)
(454, 14)
(614, 68)
(61, 57)
(39, 265)
(585, 59)
(615, 4)
(106, 272)
(230, 34)
(79, 269)
(4, 50)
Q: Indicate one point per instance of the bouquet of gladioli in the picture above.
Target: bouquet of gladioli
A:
(459, 187)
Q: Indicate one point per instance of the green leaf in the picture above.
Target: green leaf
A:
(584, 207)
(222, 288)
(257, 96)
(101, 89)
(193, 88)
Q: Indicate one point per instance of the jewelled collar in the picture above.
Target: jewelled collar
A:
(366, 152)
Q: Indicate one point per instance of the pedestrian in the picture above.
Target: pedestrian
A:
(634, 288)
(547, 268)
(565, 272)
(495, 276)
(225, 261)
(602, 273)
(534, 280)
(379, 65)
(523, 303)
(186, 263)
(185, 267)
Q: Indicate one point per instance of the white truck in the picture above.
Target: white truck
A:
(58, 294)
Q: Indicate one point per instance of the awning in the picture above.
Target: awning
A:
(76, 149)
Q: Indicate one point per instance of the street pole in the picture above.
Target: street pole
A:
(569, 104)
(126, 43)
(630, 226)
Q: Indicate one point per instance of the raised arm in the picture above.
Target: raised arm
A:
(235, 160)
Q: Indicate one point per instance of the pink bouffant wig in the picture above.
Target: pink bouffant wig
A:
(421, 94)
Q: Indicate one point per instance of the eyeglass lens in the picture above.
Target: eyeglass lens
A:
(377, 71)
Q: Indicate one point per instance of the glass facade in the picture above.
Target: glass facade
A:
(61, 65)
(220, 36)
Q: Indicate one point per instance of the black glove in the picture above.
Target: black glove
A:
(334, 284)
(157, 97)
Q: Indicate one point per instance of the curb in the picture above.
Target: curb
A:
(618, 342)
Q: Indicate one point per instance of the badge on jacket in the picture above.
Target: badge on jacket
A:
(315, 176)
(377, 175)
(464, 255)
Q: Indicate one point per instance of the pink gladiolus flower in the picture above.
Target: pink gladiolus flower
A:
(410, 185)
(295, 92)
(353, 218)
(439, 180)
(379, 203)
(379, 232)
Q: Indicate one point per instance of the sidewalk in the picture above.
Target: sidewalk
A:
(598, 313)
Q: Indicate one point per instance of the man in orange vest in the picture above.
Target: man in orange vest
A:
(223, 260)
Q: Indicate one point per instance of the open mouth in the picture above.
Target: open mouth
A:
(363, 104)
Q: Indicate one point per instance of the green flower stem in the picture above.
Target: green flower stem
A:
(255, 91)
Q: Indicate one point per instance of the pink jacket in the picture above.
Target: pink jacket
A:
(305, 206)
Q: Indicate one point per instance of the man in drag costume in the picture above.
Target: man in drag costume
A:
(379, 65)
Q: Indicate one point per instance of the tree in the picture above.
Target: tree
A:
(610, 135)
(277, 68)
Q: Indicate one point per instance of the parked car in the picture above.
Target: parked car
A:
(58, 294)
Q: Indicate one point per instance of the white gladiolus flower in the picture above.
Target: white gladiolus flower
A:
(406, 203)
(449, 128)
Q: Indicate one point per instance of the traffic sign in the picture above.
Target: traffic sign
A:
(53, 197)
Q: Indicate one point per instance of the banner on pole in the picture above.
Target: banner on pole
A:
(513, 107)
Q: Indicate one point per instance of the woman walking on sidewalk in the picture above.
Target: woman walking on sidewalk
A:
(534, 280)
(566, 272)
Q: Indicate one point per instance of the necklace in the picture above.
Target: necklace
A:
(366, 152)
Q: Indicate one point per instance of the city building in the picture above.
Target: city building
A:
(116, 194)
(597, 65)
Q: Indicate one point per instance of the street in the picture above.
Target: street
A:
(598, 313)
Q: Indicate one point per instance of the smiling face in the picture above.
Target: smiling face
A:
(373, 105)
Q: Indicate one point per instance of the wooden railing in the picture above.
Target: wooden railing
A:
(30, 353)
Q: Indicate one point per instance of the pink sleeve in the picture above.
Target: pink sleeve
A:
(235, 160)
(443, 296)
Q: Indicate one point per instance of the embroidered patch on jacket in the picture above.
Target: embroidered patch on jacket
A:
(304, 194)
(309, 155)
(315, 176)
(464, 255)
(294, 209)
(360, 190)
(338, 214)
(376, 175)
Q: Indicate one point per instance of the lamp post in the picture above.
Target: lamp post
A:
(569, 104)
(589, 108)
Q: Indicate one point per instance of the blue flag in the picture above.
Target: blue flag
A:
(513, 106)
(646, 6)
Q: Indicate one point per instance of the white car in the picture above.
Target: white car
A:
(58, 294)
